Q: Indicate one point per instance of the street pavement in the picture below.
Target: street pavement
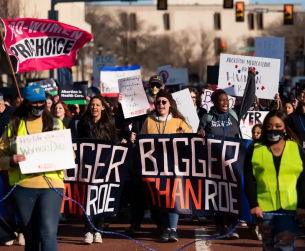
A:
(70, 238)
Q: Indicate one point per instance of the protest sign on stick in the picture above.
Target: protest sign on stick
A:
(45, 152)
(98, 63)
(73, 94)
(173, 76)
(186, 107)
(233, 74)
(111, 75)
(134, 102)
(207, 103)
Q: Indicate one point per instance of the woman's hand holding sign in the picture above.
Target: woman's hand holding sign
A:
(16, 158)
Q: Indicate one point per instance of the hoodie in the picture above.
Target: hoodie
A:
(217, 125)
(296, 125)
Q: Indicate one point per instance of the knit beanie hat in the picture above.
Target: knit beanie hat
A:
(164, 94)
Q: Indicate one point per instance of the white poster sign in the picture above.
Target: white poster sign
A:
(134, 101)
(173, 76)
(271, 47)
(250, 119)
(98, 63)
(186, 107)
(233, 74)
(207, 103)
(111, 75)
(45, 152)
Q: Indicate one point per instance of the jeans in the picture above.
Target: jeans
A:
(170, 220)
(278, 232)
(38, 211)
(98, 223)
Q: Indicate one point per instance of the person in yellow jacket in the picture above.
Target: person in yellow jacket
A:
(275, 182)
(36, 204)
(166, 119)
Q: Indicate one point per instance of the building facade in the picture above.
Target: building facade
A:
(194, 16)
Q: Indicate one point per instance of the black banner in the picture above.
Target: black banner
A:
(97, 181)
(188, 174)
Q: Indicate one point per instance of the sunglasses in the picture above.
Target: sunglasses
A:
(194, 97)
(161, 101)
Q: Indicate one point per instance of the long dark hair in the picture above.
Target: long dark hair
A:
(198, 97)
(21, 112)
(282, 116)
(104, 129)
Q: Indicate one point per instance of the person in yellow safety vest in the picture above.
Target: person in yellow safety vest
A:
(36, 204)
(275, 182)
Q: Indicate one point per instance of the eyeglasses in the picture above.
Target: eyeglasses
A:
(161, 101)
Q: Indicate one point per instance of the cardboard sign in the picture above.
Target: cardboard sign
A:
(233, 74)
(173, 76)
(249, 120)
(73, 94)
(46, 152)
(134, 101)
(49, 85)
(111, 75)
(207, 103)
(98, 63)
(186, 107)
(271, 47)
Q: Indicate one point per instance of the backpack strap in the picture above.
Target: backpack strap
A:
(233, 114)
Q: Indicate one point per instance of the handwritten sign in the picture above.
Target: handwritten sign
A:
(186, 107)
(134, 101)
(173, 76)
(250, 119)
(111, 75)
(98, 63)
(271, 47)
(233, 74)
(207, 103)
(45, 152)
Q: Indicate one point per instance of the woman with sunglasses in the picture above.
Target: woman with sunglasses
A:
(166, 119)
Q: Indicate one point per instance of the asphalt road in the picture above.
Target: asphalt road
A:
(70, 237)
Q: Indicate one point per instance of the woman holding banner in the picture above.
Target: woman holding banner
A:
(166, 119)
(96, 123)
(221, 121)
(275, 182)
(37, 205)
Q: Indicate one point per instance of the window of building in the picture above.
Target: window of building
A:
(260, 21)
(133, 46)
(251, 21)
(217, 21)
(217, 46)
(133, 22)
(124, 19)
(166, 21)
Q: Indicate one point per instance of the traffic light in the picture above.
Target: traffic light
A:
(228, 4)
(288, 14)
(223, 46)
(240, 12)
(162, 5)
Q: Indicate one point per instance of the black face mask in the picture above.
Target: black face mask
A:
(274, 136)
(36, 111)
